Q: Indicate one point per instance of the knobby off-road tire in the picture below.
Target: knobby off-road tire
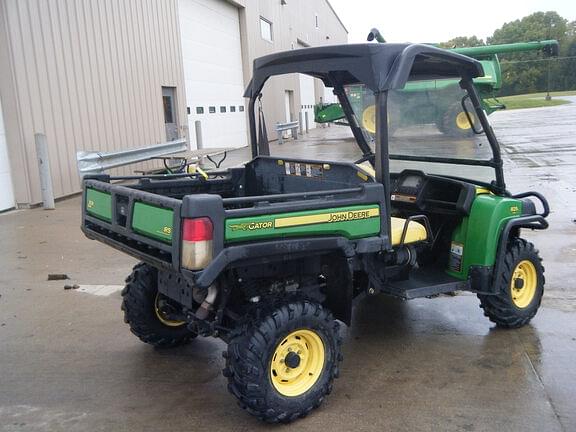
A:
(139, 303)
(254, 360)
(512, 307)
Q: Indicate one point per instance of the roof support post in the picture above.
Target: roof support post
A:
(466, 84)
(252, 123)
(381, 160)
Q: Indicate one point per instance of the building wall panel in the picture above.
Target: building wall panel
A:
(293, 27)
(6, 188)
(89, 75)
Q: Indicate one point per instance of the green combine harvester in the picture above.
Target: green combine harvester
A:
(432, 101)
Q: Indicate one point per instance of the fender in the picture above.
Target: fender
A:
(529, 220)
(535, 222)
(286, 248)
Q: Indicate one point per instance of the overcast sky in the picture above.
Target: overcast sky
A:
(440, 20)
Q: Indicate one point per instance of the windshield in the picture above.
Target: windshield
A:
(426, 119)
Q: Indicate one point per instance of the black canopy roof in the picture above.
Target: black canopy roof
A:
(379, 66)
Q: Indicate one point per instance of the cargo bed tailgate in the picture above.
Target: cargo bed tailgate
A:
(139, 223)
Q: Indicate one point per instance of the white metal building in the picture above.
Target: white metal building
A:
(107, 75)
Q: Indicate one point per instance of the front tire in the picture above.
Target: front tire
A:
(455, 122)
(519, 288)
(145, 310)
(282, 365)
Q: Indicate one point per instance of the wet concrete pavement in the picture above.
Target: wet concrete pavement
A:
(539, 147)
(69, 363)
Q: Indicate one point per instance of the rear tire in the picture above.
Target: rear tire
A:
(140, 300)
(282, 365)
(519, 287)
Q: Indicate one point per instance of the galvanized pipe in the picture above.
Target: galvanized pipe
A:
(44, 170)
(198, 129)
(199, 141)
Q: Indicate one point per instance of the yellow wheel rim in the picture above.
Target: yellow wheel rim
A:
(369, 119)
(462, 121)
(162, 317)
(523, 284)
(297, 363)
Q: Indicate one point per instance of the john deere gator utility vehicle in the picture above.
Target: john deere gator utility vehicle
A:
(271, 256)
(433, 101)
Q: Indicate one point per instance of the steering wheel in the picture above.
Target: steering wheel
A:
(367, 157)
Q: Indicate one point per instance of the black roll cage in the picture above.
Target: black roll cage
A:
(380, 67)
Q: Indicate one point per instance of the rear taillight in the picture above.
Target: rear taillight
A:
(197, 237)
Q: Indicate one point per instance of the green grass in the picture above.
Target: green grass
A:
(534, 100)
(558, 93)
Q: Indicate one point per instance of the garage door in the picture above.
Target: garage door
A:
(212, 58)
(6, 189)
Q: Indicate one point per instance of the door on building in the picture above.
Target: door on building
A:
(170, 120)
(213, 74)
(6, 186)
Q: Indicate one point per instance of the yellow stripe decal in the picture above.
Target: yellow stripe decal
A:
(343, 216)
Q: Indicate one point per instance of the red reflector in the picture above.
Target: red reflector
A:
(198, 229)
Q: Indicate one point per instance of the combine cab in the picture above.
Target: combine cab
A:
(435, 99)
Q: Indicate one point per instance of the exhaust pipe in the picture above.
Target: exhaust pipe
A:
(206, 306)
(375, 34)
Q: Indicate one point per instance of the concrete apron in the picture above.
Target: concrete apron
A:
(68, 362)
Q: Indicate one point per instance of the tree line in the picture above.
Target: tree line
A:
(532, 71)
